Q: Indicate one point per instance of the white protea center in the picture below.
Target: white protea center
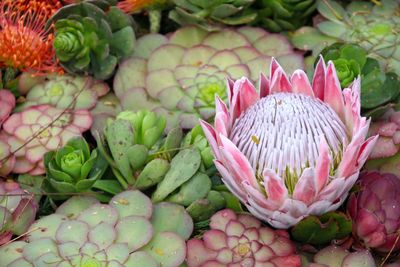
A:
(282, 132)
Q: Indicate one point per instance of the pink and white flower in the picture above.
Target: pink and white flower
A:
(294, 149)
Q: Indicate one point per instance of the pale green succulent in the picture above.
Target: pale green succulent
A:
(67, 91)
(178, 75)
(129, 231)
(373, 27)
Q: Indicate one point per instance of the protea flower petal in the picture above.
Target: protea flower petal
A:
(294, 149)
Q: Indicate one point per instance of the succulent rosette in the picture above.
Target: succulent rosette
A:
(375, 211)
(178, 75)
(283, 15)
(39, 129)
(92, 36)
(7, 103)
(67, 91)
(17, 210)
(74, 168)
(241, 240)
(294, 149)
(129, 231)
(212, 15)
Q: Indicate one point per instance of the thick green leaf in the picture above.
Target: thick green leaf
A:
(183, 166)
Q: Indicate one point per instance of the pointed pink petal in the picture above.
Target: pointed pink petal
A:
(211, 136)
(366, 149)
(273, 67)
(248, 95)
(280, 82)
(220, 105)
(264, 85)
(259, 200)
(274, 187)
(235, 186)
(244, 95)
(318, 83)
(222, 122)
(301, 84)
(305, 189)
(348, 165)
(322, 165)
(229, 86)
(333, 93)
(235, 161)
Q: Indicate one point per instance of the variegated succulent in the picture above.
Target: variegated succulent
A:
(39, 129)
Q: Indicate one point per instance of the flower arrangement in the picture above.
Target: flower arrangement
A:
(199, 133)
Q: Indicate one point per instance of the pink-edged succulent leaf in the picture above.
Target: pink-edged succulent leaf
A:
(39, 129)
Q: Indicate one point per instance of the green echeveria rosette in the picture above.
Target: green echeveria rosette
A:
(73, 168)
(179, 75)
(92, 37)
(283, 15)
(212, 15)
(70, 40)
(348, 59)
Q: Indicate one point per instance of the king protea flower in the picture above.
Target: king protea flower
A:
(294, 149)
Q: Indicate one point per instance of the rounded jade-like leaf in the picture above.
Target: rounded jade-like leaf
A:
(103, 235)
(136, 231)
(132, 202)
(98, 213)
(69, 249)
(169, 217)
(20, 263)
(75, 205)
(141, 258)
(167, 248)
(118, 252)
(11, 251)
(49, 259)
(72, 231)
(46, 227)
(38, 247)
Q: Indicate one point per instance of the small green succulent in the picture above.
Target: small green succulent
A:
(212, 15)
(73, 168)
(319, 230)
(91, 37)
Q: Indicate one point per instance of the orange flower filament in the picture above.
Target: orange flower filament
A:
(132, 6)
(44, 8)
(25, 44)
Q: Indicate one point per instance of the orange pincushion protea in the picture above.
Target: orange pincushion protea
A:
(42, 8)
(25, 44)
(132, 6)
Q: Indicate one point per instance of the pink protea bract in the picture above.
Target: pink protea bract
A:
(293, 149)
